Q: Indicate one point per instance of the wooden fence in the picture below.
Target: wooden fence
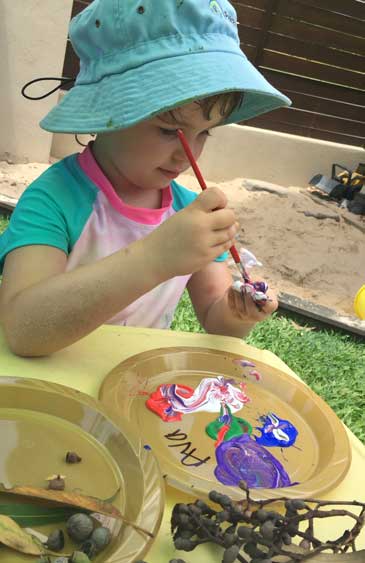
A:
(311, 50)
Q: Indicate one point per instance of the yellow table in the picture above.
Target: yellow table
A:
(84, 365)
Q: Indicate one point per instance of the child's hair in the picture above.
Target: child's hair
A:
(227, 102)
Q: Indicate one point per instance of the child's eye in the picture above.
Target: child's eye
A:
(173, 132)
(168, 132)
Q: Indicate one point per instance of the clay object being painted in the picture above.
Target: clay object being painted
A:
(227, 426)
(243, 458)
(276, 432)
(170, 401)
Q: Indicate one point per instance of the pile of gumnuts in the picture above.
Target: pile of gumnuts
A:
(249, 531)
(234, 528)
(80, 529)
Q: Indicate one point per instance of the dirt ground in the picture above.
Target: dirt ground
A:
(310, 248)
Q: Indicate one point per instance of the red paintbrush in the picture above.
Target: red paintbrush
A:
(198, 174)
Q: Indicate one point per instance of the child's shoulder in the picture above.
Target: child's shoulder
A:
(60, 173)
(181, 196)
(62, 182)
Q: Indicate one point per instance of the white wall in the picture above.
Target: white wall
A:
(246, 152)
(33, 35)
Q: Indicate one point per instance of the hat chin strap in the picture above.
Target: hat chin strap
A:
(62, 81)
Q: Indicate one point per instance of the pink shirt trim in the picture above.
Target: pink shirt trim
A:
(91, 168)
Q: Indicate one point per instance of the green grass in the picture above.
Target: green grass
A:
(332, 364)
(3, 223)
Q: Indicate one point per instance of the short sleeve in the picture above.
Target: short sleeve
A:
(52, 211)
(37, 219)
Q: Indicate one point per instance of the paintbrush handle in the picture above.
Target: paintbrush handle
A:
(199, 176)
(192, 160)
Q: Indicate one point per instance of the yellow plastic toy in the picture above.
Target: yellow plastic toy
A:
(359, 303)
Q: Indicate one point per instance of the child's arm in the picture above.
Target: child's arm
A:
(43, 308)
(219, 308)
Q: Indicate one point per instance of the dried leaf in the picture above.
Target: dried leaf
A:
(13, 536)
(26, 514)
(84, 502)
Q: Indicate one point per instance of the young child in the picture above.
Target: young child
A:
(108, 236)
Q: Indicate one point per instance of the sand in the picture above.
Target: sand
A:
(320, 258)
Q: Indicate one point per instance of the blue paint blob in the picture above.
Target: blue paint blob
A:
(147, 447)
(276, 432)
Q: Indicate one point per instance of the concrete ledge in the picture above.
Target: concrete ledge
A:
(323, 315)
(7, 204)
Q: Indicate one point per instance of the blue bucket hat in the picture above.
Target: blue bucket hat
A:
(139, 58)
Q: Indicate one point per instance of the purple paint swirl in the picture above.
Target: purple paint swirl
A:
(243, 458)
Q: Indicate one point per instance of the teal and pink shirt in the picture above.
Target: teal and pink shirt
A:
(73, 206)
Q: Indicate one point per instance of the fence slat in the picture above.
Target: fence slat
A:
(301, 67)
(317, 16)
(249, 51)
(353, 8)
(248, 35)
(320, 36)
(326, 107)
(293, 83)
(266, 122)
(257, 4)
(315, 52)
(312, 133)
(250, 16)
(317, 121)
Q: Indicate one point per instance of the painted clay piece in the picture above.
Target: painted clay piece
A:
(257, 290)
(276, 432)
(170, 401)
(244, 459)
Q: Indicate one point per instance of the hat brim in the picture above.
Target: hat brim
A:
(119, 101)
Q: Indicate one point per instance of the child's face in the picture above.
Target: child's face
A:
(149, 155)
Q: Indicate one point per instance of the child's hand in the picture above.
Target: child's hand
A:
(244, 307)
(195, 236)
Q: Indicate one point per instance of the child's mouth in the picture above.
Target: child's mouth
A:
(170, 173)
